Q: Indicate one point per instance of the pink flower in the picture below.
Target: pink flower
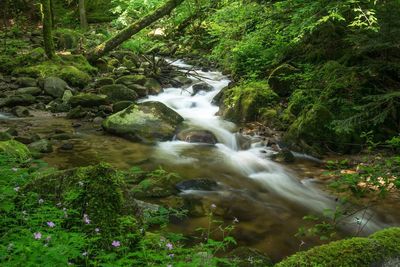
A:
(97, 230)
(51, 224)
(37, 235)
(116, 243)
(169, 246)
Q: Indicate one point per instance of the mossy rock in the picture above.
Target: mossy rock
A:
(87, 100)
(74, 76)
(97, 191)
(157, 184)
(147, 122)
(350, 252)
(153, 86)
(17, 100)
(28, 91)
(26, 82)
(131, 79)
(103, 81)
(243, 103)
(15, 150)
(121, 105)
(118, 92)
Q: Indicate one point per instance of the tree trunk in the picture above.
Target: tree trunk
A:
(47, 29)
(53, 24)
(132, 29)
(82, 15)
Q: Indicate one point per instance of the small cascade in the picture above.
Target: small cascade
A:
(199, 112)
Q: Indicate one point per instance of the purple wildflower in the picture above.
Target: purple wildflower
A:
(116, 243)
(14, 169)
(41, 201)
(51, 224)
(84, 254)
(97, 230)
(37, 235)
(213, 206)
(16, 189)
(169, 246)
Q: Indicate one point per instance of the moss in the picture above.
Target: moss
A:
(244, 102)
(74, 76)
(67, 38)
(350, 252)
(15, 150)
(75, 69)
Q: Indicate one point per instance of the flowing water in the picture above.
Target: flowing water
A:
(267, 198)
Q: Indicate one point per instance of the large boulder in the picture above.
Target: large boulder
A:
(118, 92)
(153, 86)
(55, 86)
(197, 136)
(87, 100)
(147, 122)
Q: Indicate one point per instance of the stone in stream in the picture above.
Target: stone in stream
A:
(41, 146)
(17, 100)
(87, 100)
(141, 90)
(197, 136)
(29, 91)
(121, 105)
(147, 122)
(153, 86)
(118, 92)
(20, 111)
(131, 79)
(103, 81)
(203, 86)
(55, 86)
(197, 184)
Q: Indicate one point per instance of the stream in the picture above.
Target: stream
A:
(268, 199)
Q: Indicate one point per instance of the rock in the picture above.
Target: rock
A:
(243, 141)
(56, 106)
(55, 86)
(131, 79)
(203, 86)
(249, 257)
(284, 155)
(141, 90)
(87, 100)
(103, 81)
(182, 80)
(41, 146)
(15, 150)
(98, 120)
(153, 86)
(27, 138)
(29, 91)
(148, 122)
(61, 136)
(26, 82)
(20, 111)
(17, 100)
(197, 184)
(67, 146)
(197, 136)
(146, 206)
(67, 96)
(118, 92)
(121, 105)
(76, 113)
(75, 77)
(44, 99)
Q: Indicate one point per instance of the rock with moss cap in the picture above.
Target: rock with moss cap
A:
(17, 100)
(147, 122)
(75, 77)
(55, 86)
(87, 100)
(350, 252)
(15, 150)
(118, 92)
(26, 82)
(131, 79)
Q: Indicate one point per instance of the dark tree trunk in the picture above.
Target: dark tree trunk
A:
(53, 24)
(132, 29)
(47, 29)
(82, 15)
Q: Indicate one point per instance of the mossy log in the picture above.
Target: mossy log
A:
(132, 29)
